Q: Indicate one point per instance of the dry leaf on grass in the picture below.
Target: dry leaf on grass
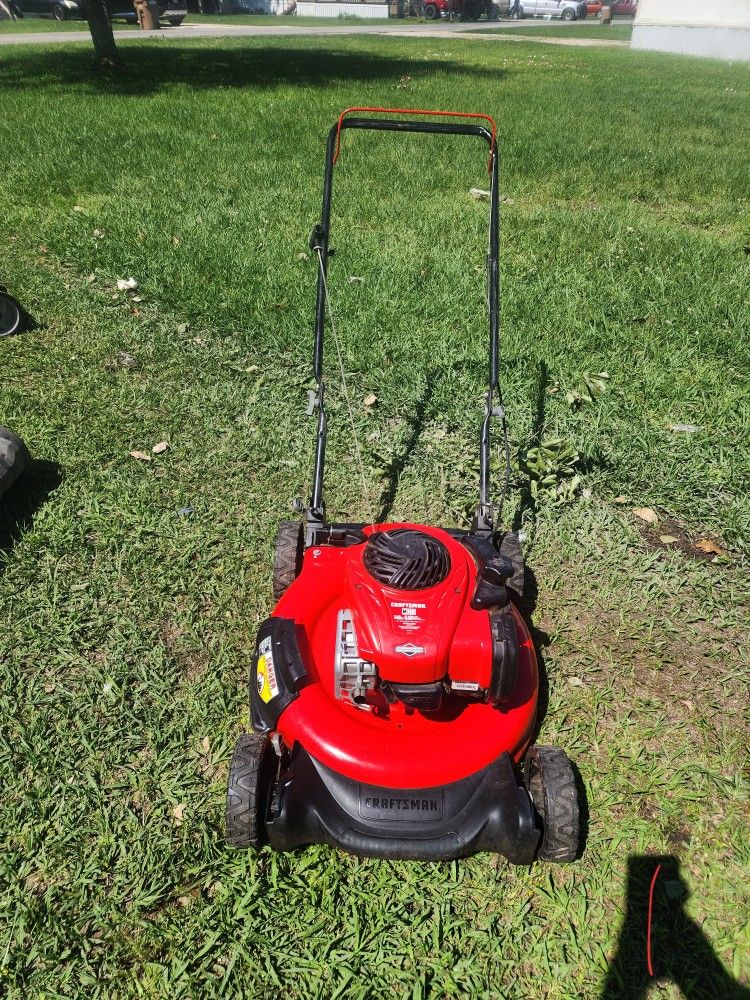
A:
(668, 539)
(178, 811)
(706, 545)
(620, 499)
(646, 514)
(140, 455)
(160, 447)
(371, 399)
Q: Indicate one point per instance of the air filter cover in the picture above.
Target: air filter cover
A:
(406, 559)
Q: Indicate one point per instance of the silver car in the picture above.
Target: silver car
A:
(568, 10)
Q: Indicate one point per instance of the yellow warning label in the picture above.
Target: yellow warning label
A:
(265, 674)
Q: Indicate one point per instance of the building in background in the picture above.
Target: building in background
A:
(717, 28)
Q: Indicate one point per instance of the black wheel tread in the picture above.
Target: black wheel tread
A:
(551, 783)
(244, 792)
(287, 560)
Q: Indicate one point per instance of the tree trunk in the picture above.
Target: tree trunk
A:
(101, 32)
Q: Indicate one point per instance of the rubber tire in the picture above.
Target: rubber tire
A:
(510, 547)
(14, 457)
(12, 315)
(58, 12)
(568, 15)
(176, 21)
(251, 780)
(287, 560)
(551, 783)
(430, 12)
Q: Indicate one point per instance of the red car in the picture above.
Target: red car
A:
(620, 7)
(466, 10)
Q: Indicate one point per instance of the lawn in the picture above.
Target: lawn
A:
(620, 30)
(131, 590)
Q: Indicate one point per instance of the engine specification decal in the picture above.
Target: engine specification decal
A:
(265, 674)
(406, 615)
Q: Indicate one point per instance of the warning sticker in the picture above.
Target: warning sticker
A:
(265, 675)
(407, 616)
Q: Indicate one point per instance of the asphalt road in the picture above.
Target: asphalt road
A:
(186, 31)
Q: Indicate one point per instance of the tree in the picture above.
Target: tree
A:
(101, 32)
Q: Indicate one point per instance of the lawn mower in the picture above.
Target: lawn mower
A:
(394, 688)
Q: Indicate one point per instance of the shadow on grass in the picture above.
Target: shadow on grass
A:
(19, 505)
(147, 69)
(680, 951)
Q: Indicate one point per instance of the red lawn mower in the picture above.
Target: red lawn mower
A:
(394, 687)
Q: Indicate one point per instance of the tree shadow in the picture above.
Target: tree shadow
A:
(681, 952)
(148, 69)
(19, 505)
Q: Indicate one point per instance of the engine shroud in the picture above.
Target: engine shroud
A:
(419, 636)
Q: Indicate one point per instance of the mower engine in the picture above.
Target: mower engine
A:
(420, 625)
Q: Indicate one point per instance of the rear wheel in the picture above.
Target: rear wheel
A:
(551, 783)
(568, 15)
(510, 547)
(287, 560)
(251, 781)
(430, 11)
(59, 12)
(176, 21)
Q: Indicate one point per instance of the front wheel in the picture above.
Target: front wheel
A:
(551, 783)
(568, 15)
(58, 12)
(249, 790)
(176, 21)
(430, 11)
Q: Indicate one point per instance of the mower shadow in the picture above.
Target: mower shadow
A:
(252, 62)
(395, 468)
(540, 639)
(19, 505)
(681, 953)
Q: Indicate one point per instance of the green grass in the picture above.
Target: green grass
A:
(127, 627)
(32, 25)
(619, 31)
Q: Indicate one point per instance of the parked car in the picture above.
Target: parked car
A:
(467, 10)
(629, 8)
(172, 11)
(594, 8)
(568, 10)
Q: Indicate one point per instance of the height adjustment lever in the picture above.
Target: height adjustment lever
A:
(313, 402)
(318, 237)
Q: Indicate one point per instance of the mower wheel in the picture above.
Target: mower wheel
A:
(551, 783)
(287, 560)
(14, 457)
(251, 779)
(510, 547)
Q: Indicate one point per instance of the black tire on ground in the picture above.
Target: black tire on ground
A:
(551, 783)
(10, 315)
(430, 11)
(287, 560)
(58, 12)
(568, 15)
(14, 457)
(251, 780)
(510, 547)
(176, 21)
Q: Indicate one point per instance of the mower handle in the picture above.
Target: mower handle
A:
(483, 524)
(386, 125)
